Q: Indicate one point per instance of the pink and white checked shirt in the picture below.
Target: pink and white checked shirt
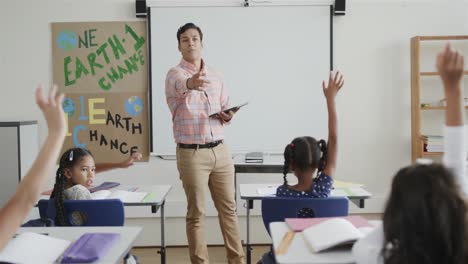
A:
(191, 108)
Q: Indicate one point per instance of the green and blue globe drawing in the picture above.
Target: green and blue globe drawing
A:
(134, 106)
(66, 40)
(68, 106)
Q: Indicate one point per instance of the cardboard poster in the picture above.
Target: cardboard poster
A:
(102, 67)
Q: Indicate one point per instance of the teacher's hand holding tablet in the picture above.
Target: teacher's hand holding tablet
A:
(227, 116)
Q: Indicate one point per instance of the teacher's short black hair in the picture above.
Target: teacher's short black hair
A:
(186, 27)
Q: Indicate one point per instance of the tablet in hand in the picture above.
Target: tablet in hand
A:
(235, 108)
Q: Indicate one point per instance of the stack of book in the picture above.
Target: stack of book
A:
(254, 157)
(433, 143)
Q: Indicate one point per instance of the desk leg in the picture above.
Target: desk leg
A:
(163, 238)
(162, 250)
(235, 188)
(248, 247)
(358, 202)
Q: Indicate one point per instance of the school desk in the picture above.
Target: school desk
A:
(250, 192)
(298, 251)
(155, 199)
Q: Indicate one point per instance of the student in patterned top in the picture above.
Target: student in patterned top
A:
(76, 174)
(305, 155)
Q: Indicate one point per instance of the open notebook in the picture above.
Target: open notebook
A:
(299, 224)
(33, 248)
(332, 233)
(124, 196)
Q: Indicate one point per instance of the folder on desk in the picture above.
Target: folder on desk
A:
(90, 247)
(104, 186)
(254, 157)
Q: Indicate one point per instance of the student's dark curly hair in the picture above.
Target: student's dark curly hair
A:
(425, 218)
(186, 27)
(67, 161)
(305, 152)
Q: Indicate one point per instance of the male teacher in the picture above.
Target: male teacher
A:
(194, 91)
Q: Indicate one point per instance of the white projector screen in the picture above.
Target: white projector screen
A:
(275, 57)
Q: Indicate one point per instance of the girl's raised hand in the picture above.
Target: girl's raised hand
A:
(52, 110)
(129, 162)
(450, 66)
(334, 85)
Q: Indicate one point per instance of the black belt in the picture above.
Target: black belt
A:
(197, 146)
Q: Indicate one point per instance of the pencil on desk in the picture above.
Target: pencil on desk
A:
(285, 242)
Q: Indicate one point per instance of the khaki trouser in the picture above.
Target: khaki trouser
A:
(210, 167)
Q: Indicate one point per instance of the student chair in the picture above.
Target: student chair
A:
(276, 209)
(106, 212)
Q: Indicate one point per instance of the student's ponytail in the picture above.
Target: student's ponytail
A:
(59, 196)
(288, 157)
(322, 145)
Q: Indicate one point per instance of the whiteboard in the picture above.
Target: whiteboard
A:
(275, 57)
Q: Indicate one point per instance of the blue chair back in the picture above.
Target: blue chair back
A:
(276, 209)
(106, 212)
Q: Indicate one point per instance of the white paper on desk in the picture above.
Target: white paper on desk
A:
(339, 192)
(356, 191)
(34, 248)
(124, 196)
(128, 197)
(101, 194)
(270, 190)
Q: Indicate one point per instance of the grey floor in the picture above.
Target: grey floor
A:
(180, 255)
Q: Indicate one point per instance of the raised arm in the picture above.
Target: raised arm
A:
(335, 82)
(450, 65)
(101, 167)
(17, 208)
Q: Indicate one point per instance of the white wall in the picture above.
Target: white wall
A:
(371, 47)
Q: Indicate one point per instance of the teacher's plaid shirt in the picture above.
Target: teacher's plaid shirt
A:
(191, 109)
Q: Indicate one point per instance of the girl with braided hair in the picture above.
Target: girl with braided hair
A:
(76, 174)
(305, 155)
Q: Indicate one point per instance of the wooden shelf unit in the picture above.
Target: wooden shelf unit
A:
(436, 107)
(432, 154)
(435, 73)
(417, 147)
